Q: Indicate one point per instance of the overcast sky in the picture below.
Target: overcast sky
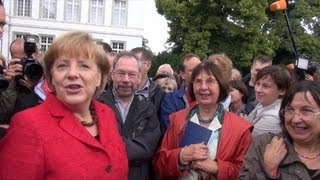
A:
(156, 29)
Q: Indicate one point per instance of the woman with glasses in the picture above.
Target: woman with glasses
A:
(271, 84)
(204, 141)
(295, 153)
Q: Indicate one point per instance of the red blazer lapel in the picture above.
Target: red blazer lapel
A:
(72, 126)
(69, 122)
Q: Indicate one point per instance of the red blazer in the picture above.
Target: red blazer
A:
(48, 142)
(234, 142)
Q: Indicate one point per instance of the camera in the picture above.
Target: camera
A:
(31, 68)
(305, 66)
(3, 82)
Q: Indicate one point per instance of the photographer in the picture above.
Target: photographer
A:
(23, 82)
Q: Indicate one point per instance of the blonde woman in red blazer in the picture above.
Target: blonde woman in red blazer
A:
(69, 135)
(221, 157)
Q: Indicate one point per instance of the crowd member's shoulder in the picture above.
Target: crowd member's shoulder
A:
(246, 79)
(263, 139)
(178, 93)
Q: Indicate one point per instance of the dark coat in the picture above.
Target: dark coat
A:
(7, 101)
(156, 95)
(28, 101)
(141, 133)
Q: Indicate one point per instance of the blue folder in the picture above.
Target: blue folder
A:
(194, 134)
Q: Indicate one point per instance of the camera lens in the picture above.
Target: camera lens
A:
(33, 71)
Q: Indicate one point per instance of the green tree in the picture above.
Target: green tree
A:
(240, 28)
(162, 58)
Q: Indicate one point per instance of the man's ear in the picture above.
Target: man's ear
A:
(139, 78)
(112, 74)
(282, 92)
(148, 64)
(182, 75)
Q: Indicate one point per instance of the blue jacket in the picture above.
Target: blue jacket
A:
(171, 103)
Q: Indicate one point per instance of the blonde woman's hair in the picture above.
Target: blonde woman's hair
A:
(76, 44)
(224, 63)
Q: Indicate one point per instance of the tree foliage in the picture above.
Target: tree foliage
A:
(162, 58)
(241, 28)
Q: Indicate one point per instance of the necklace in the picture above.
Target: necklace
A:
(94, 118)
(205, 121)
(307, 157)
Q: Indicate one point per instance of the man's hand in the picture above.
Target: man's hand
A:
(14, 69)
(27, 82)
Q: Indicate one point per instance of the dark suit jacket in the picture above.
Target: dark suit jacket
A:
(141, 133)
(48, 142)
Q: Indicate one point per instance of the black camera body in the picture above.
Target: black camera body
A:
(4, 84)
(31, 68)
(306, 66)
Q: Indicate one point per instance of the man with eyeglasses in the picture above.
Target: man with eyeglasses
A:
(137, 119)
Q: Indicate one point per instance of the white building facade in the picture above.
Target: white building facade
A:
(116, 22)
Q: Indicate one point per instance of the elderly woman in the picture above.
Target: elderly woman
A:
(295, 153)
(169, 85)
(216, 154)
(69, 135)
(272, 83)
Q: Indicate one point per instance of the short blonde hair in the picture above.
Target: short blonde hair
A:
(224, 63)
(235, 74)
(76, 44)
(168, 80)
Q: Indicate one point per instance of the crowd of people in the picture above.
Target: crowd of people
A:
(97, 114)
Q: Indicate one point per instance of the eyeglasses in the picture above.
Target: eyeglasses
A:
(121, 74)
(306, 113)
(209, 82)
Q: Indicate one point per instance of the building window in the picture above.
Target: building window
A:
(23, 8)
(17, 35)
(48, 9)
(73, 10)
(119, 16)
(45, 42)
(118, 46)
(96, 11)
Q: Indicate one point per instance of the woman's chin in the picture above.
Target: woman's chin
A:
(74, 101)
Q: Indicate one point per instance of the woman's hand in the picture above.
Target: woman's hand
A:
(274, 154)
(207, 165)
(5, 126)
(194, 152)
